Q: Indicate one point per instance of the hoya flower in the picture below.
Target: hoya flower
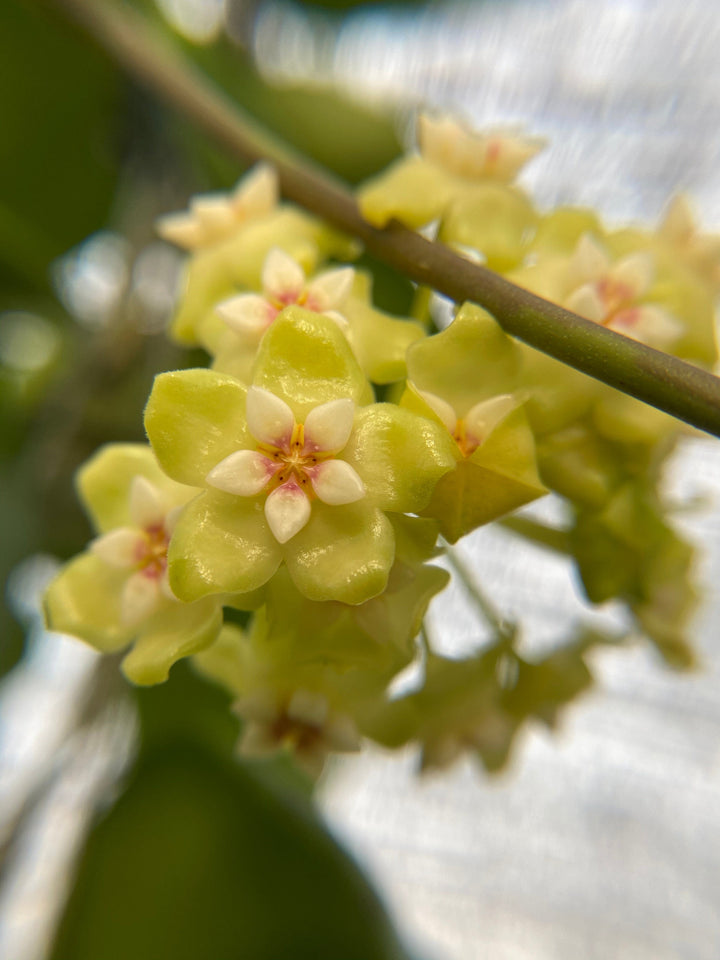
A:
(679, 230)
(301, 721)
(378, 340)
(455, 378)
(284, 283)
(293, 462)
(216, 216)
(371, 640)
(464, 180)
(477, 155)
(298, 469)
(613, 294)
(117, 592)
(140, 549)
(237, 263)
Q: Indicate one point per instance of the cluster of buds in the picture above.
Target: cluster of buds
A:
(276, 483)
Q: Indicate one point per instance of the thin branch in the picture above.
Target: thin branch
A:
(503, 629)
(678, 388)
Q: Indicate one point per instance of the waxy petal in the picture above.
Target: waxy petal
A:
(328, 426)
(329, 290)
(121, 548)
(257, 193)
(306, 360)
(471, 360)
(177, 630)
(214, 213)
(589, 262)
(141, 597)
(270, 420)
(482, 419)
(587, 302)
(399, 456)
(147, 505)
(182, 229)
(498, 154)
(283, 278)
(248, 313)
(172, 518)
(287, 510)
(440, 407)
(244, 473)
(336, 482)
(636, 272)
(105, 482)
(343, 553)
(84, 601)
(649, 324)
(337, 318)
(194, 419)
(221, 544)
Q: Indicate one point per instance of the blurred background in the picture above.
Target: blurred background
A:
(602, 839)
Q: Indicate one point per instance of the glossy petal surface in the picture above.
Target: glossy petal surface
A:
(305, 360)
(244, 473)
(469, 361)
(328, 426)
(105, 484)
(180, 630)
(270, 420)
(194, 419)
(287, 510)
(84, 601)
(343, 553)
(335, 482)
(221, 544)
(398, 456)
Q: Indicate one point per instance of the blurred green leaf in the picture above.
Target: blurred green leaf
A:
(58, 101)
(200, 860)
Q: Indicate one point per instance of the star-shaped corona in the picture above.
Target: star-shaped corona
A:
(213, 217)
(470, 431)
(284, 283)
(294, 462)
(141, 549)
(614, 294)
(488, 154)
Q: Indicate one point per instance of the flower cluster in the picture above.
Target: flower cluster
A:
(276, 482)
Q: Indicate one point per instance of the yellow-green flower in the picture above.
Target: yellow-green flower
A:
(300, 468)
(455, 378)
(116, 594)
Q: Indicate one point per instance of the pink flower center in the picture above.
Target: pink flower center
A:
(295, 461)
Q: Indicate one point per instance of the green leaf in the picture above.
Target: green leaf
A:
(58, 174)
(201, 860)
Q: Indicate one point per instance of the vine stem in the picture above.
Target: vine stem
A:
(672, 385)
(503, 629)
